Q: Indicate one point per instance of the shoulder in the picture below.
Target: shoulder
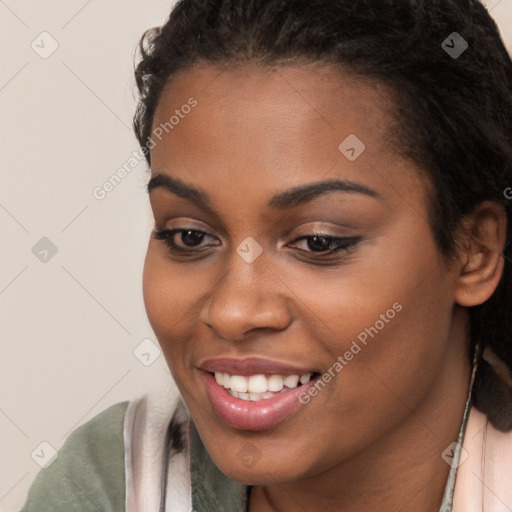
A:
(89, 472)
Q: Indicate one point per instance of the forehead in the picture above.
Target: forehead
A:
(265, 129)
(303, 99)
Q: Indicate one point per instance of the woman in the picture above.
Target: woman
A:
(329, 274)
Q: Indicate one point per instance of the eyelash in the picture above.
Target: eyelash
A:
(344, 243)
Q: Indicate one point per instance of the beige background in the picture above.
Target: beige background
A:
(71, 321)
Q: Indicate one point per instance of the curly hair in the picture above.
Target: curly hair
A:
(453, 113)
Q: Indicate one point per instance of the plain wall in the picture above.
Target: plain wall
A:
(70, 321)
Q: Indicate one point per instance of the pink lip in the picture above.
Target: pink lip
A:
(249, 415)
(251, 366)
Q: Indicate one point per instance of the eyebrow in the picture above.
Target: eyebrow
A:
(286, 200)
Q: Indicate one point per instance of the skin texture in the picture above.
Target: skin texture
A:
(372, 439)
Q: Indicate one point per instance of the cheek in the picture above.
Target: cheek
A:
(401, 354)
(165, 295)
(173, 297)
(164, 309)
(389, 319)
(155, 290)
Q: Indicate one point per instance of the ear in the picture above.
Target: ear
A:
(481, 254)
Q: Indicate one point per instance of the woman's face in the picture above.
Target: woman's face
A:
(368, 309)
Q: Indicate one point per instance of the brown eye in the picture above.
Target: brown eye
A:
(320, 243)
(188, 240)
(191, 237)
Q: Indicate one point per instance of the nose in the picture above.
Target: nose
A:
(247, 297)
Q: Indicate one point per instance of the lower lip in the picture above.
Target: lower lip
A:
(249, 415)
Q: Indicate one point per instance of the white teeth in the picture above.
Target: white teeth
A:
(305, 378)
(275, 383)
(253, 397)
(238, 383)
(257, 384)
(257, 387)
(291, 381)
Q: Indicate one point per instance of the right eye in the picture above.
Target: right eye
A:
(190, 238)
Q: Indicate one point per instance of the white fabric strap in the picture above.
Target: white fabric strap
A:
(497, 484)
(467, 496)
(145, 427)
(484, 479)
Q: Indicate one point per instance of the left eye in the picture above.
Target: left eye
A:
(322, 243)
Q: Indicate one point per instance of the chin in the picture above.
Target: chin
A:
(267, 475)
(255, 463)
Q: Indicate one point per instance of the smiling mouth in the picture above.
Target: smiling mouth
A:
(261, 386)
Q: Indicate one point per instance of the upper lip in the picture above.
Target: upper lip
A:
(251, 366)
